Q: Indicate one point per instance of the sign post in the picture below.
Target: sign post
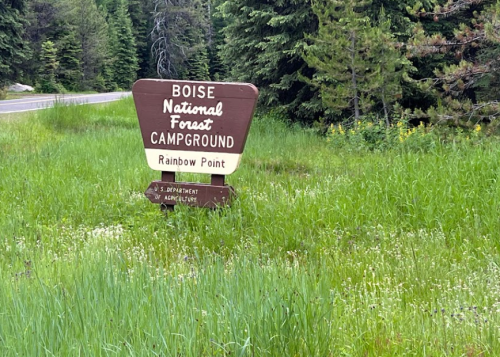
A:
(197, 127)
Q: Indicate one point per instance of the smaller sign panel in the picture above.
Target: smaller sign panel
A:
(190, 194)
(198, 127)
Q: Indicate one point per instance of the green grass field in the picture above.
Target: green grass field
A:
(325, 252)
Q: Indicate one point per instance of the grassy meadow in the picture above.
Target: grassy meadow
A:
(326, 251)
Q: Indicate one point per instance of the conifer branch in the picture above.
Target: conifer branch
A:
(450, 8)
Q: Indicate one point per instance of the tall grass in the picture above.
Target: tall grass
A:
(326, 251)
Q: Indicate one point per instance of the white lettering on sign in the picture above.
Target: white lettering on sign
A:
(188, 124)
(177, 112)
(180, 198)
(193, 91)
(188, 108)
(192, 140)
(180, 190)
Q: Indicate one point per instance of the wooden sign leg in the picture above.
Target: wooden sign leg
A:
(167, 176)
(218, 180)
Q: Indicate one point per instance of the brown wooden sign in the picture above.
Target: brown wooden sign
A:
(198, 127)
(190, 194)
(190, 126)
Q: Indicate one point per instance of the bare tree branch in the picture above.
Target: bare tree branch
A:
(175, 21)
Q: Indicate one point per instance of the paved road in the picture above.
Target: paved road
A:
(39, 102)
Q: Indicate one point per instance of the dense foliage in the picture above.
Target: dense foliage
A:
(264, 41)
(330, 60)
(12, 46)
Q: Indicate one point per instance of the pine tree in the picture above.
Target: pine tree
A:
(198, 66)
(340, 52)
(358, 64)
(91, 32)
(50, 64)
(390, 67)
(263, 46)
(124, 57)
(106, 76)
(142, 22)
(47, 20)
(215, 40)
(69, 54)
(465, 85)
(13, 48)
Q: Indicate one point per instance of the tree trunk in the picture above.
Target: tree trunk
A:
(384, 104)
(353, 72)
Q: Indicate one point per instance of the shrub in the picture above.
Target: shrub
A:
(49, 86)
(376, 136)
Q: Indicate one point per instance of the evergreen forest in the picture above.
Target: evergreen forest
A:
(314, 61)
